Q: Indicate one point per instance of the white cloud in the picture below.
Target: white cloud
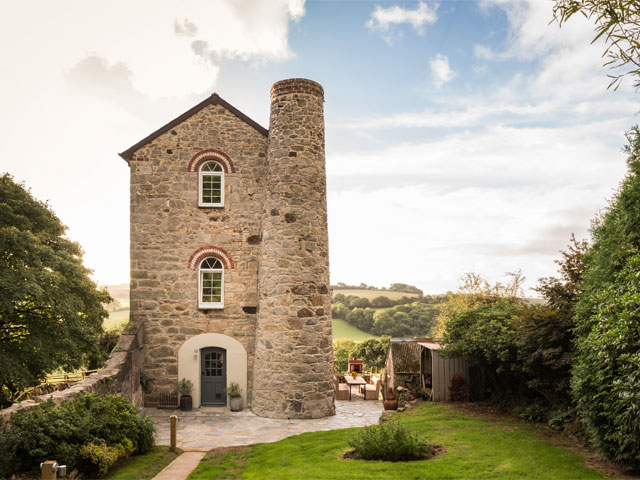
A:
(493, 201)
(80, 82)
(153, 39)
(382, 19)
(441, 72)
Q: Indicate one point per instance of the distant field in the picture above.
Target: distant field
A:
(116, 319)
(120, 293)
(371, 294)
(342, 329)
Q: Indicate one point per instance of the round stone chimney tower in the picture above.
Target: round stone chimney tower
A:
(293, 374)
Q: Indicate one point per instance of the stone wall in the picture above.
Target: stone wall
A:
(294, 351)
(167, 227)
(119, 376)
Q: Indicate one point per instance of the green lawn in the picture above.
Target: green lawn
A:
(371, 294)
(342, 329)
(143, 467)
(477, 448)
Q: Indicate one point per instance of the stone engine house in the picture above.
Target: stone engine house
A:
(229, 254)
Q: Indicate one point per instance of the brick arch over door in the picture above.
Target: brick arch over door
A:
(211, 154)
(210, 251)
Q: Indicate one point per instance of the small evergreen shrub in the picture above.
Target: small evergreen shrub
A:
(50, 432)
(388, 441)
(234, 390)
(99, 458)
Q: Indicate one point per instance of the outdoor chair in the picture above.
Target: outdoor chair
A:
(342, 390)
(372, 392)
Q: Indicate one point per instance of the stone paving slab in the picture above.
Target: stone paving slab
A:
(181, 467)
(204, 429)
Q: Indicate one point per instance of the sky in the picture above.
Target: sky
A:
(460, 135)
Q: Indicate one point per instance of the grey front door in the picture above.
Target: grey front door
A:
(214, 376)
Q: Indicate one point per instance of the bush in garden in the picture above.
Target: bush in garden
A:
(606, 374)
(50, 432)
(99, 458)
(388, 441)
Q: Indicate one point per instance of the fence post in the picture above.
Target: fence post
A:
(174, 421)
(49, 469)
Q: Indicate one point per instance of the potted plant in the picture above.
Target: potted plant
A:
(235, 397)
(184, 389)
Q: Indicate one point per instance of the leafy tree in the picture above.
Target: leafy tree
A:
(342, 352)
(359, 302)
(475, 292)
(382, 302)
(339, 310)
(50, 310)
(607, 318)
(618, 22)
(547, 330)
(487, 336)
(403, 287)
(606, 380)
(372, 352)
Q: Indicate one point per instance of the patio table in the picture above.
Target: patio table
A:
(354, 381)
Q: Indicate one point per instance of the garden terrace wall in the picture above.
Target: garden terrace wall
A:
(119, 376)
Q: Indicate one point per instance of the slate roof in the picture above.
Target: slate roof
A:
(214, 99)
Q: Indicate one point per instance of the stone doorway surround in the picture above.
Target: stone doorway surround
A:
(189, 362)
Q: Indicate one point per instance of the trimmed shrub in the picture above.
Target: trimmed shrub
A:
(388, 441)
(99, 458)
(606, 381)
(50, 432)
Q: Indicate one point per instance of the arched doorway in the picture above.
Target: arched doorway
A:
(190, 365)
(213, 376)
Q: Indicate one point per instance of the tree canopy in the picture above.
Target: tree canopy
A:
(618, 22)
(50, 310)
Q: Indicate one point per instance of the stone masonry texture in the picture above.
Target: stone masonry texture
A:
(273, 226)
(294, 352)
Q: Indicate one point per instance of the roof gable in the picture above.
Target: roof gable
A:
(214, 99)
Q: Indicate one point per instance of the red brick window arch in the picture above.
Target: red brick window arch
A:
(211, 263)
(211, 165)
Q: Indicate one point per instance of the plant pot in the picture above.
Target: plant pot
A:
(186, 403)
(390, 403)
(235, 404)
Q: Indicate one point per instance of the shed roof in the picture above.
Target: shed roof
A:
(214, 99)
(405, 356)
(431, 346)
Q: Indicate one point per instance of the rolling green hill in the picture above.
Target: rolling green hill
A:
(342, 329)
(371, 294)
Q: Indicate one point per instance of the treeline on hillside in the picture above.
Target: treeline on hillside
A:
(395, 287)
(405, 317)
(574, 361)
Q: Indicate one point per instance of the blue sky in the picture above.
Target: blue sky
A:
(461, 135)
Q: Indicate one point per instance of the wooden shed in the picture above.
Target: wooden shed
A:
(402, 366)
(414, 364)
(439, 370)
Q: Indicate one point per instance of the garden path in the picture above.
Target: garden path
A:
(206, 428)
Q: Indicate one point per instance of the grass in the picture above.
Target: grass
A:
(116, 319)
(371, 294)
(342, 329)
(477, 448)
(143, 467)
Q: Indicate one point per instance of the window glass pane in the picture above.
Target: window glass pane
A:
(211, 167)
(212, 287)
(211, 262)
(211, 188)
